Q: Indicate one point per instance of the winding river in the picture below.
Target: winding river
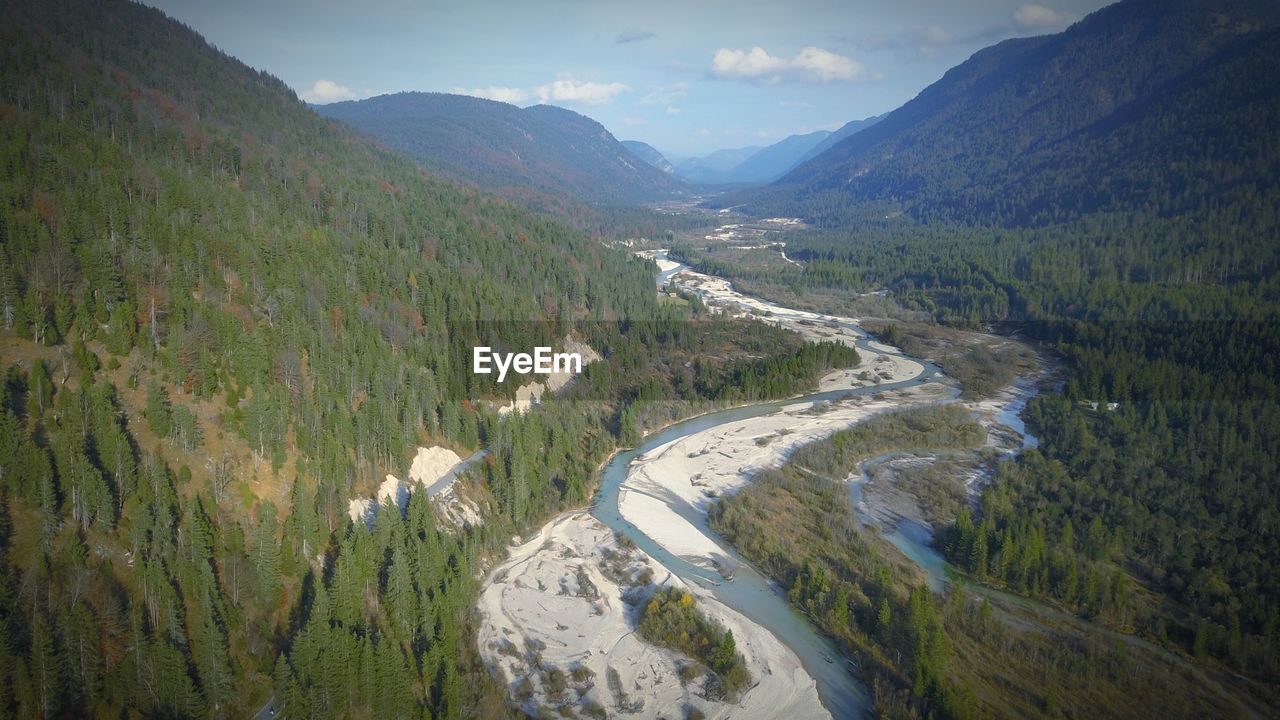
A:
(747, 591)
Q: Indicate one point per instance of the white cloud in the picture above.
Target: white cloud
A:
(511, 95)
(673, 110)
(327, 91)
(563, 89)
(566, 89)
(1038, 17)
(812, 65)
(633, 121)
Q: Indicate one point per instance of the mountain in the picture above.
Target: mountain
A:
(649, 154)
(542, 153)
(221, 317)
(762, 165)
(831, 139)
(1149, 106)
(772, 162)
(711, 168)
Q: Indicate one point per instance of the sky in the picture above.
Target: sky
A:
(687, 76)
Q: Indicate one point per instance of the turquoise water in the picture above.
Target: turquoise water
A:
(744, 589)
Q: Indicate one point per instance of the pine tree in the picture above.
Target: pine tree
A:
(726, 653)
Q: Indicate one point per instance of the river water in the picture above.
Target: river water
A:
(747, 591)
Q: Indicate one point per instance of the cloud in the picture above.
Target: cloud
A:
(563, 89)
(673, 110)
(633, 35)
(511, 95)
(567, 89)
(812, 65)
(1038, 17)
(327, 91)
(930, 41)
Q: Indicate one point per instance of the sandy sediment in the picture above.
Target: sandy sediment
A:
(669, 489)
(530, 394)
(561, 602)
(428, 465)
(552, 604)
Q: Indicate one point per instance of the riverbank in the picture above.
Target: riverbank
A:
(657, 496)
(558, 620)
(668, 490)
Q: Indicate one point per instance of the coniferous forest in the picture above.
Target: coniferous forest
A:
(224, 315)
(1156, 461)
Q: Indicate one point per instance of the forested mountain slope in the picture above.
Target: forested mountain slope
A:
(539, 153)
(222, 317)
(649, 154)
(1112, 192)
(1048, 129)
(844, 131)
(178, 227)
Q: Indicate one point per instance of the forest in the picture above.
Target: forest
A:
(970, 651)
(224, 317)
(1158, 106)
(1175, 321)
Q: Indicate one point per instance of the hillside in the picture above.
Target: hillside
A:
(543, 154)
(752, 164)
(1048, 129)
(771, 162)
(649, 154)
(844, 131)
(1111, 193)
(223, 316)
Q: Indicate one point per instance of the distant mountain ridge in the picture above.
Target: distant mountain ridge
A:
(713, 168)
(541, 153)
(754, 165)
(1145, 105)
(649, 154)
(849, 128)
(772, 162)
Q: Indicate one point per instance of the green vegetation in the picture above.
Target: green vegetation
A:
(562, 155)
(223, 318)
(1147, 108)
(1192, 443)
(671, 618)
(945, 427)
(966, 654)
(875, 607)
(1134, 234)
(982, 364)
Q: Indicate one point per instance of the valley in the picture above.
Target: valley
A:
(656, 496)
(353, 366)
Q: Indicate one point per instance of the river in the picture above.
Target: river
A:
(747, 591)
(715, 567)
